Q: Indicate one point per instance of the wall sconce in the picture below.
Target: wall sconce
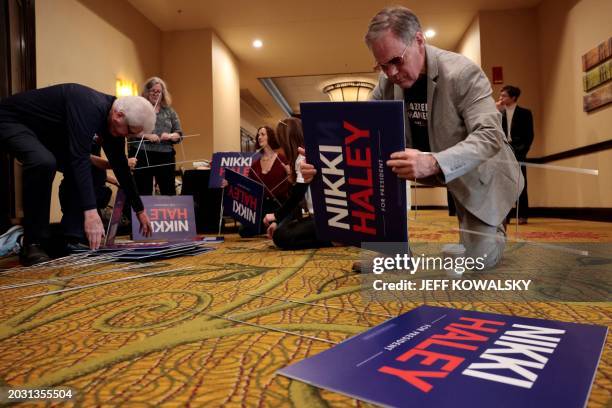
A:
(125, 87)
(349, 91)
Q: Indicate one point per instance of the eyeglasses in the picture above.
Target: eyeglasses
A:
(395, 61)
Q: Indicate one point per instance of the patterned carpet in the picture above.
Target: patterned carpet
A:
(165, 340)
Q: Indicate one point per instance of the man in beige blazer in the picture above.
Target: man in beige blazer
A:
(453, 128)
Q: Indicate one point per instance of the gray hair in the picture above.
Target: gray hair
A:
(166, 98)
(138, 112)
(400, 20)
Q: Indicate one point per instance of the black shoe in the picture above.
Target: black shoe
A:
(76, 246)
(357, 267)
(32, 254)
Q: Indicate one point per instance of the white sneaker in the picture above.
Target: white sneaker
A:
(9, 241)
(453, 251)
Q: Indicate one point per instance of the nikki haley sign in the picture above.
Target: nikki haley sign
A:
(440, 357)
(356, 197)
(243, 199)
(172, 218)
(236, 161)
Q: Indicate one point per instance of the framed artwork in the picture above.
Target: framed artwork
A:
(597, 66)
(598, 98)
(597, 55)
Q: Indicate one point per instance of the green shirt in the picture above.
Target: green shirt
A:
(167, 121)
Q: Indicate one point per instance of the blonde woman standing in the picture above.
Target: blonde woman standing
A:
(156, 157)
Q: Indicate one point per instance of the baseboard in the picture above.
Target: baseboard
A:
(431, 207)
(575, 213)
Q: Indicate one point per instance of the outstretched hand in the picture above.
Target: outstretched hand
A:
(145, 225)
(308, 170)
(413, 164)
(94, 229)
(268, 219)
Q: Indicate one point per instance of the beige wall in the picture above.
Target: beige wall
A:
(540, 51)
(469, 45)
(187, 68)
(509, 39)
(548, 188)
(202, 75)
(93, 43)
(425, 196)
(226, 97)
(568, 29)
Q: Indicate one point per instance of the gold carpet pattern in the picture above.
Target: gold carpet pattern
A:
(181, 338)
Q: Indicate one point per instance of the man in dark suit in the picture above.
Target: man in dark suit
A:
(520, 136)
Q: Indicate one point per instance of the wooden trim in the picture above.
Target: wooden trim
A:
(429, 207)
(5, 53)
(28, 31)
(568, 154)
(575, 213)
(425, 186)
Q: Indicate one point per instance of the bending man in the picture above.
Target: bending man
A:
(52, 129)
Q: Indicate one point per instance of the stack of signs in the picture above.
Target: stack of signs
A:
(243, 199)
(356, 196)
(145, 252)
(172, 218)
(167, 251)
(440, 357)
(238, 162)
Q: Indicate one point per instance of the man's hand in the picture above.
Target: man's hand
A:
(308, 170)
(413, 164)
(94, 230)
(145, 225)
(152, 137)
(271, 229)
(268, 219)
(132, 161)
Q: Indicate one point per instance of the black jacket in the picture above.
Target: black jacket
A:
(521, 131)
(65, 119)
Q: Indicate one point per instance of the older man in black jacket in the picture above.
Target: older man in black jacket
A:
(51, 129)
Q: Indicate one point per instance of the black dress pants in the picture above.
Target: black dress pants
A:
(523, 201)
(39, 166)
(163, 172)
(73, 221)
(298, 233)
(269, 206)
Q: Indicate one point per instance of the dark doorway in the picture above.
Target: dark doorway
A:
(17, 74)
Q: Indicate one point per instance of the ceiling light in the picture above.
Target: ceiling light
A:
(430, 34)
(349, 91)
(257, 44)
